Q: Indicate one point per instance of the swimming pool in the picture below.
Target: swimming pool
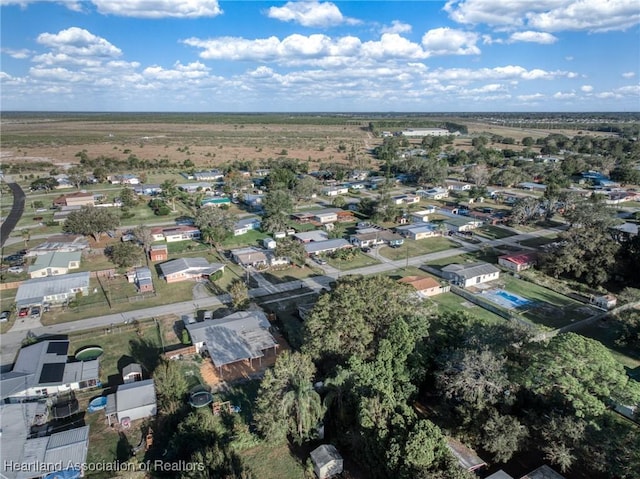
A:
(505, 299)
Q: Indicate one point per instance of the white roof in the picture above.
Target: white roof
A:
(325, 454)
(135, 395)
(34, 290)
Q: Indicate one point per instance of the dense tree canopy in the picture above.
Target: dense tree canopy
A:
(90, 220)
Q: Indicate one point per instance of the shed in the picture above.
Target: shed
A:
(327, 461)
(132, 373)
(132, 401)
(543, 472)
(467, 457)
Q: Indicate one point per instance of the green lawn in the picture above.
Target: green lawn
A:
(539, 241)
(359, 261)
(450, 302)
(291, 273)
(494, 232)
(421, 247)
(272, 462)
(251, 238)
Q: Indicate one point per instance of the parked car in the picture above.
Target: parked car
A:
(4, 316)
(319, 260)
(14, 257)
(15, 269)
(23, 312)
(35, 311)
(366, 250)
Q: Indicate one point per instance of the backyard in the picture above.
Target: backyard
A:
(412, 248)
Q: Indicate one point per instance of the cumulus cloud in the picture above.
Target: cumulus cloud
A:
(179, 72)
(17, 54)
(531, 97)
(76, 41)
(448, 41)
(397, 27)
(547, 15)
(533, 37)
(586, 88)
(628, 74)
(310, 14)
(159, 8)
(564, 95)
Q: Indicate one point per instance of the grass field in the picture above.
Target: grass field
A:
(494, 232)
(359, 261)
(539, 241)
(413, 248)
(450, 302)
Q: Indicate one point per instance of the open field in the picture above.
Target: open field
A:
(412, 248)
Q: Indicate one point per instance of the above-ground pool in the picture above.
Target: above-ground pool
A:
(88, 353)
(505, 299)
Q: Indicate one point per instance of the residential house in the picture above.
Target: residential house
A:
(79, 198)
(460, 225)
(422, 132)
(195, 187)
(60, 216)
(142, 278)
(328, 215)
(418, 231)
(149, 190)
(326, 246)
(183, 269)
(181, 233)
(500, 474)
(425, 286)
(607, 301)
(327, 461)
(309, 236)
(436, 193)
(627, 230)
(245, 225)
(159, 252)
(422, 216)
(302, 217)
(240, 337)
(454, 185)
(62, 243)
(467, 458)
(157, 234)
(262, 172)
(211, 175)
(216, 201)
(335, 190)
(269, 243)
(374, 236)
(250, 256)
(52, 290)
(543, 472)
(55, 263)
(527, 185)
(132, 401)
(44, 369)
(253, 201)
(61, 454)
(470, 274)
(405, 199)
(132, 373)
(518, 262)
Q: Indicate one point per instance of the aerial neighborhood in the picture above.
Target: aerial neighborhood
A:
(390, 296)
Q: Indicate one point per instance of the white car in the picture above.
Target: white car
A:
(16, 269)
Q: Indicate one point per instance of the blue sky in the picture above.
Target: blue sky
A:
(353, 56)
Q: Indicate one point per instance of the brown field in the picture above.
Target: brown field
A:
(204, 144)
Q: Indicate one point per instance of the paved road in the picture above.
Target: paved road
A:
(10, 342)
(15, 214)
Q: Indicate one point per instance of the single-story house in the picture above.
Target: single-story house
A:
(518, 262)
(245, 225)
(60, 243)
(132, 401)
(328, 215)
(606, 301)
(211, 175)
(195, 187)
(216, 201)
(269, 243)
(78, 198)
(436, 193)
(52, 290)
(303, 217)
(157, 234)
(405, 199)
(182, 269)
(55, 263)
(460, 225)
(528, 185)
(467, 458)
(454, 185)
(44, 369)
(149, 190)
(465, 275)
(326, 246)
(132, 373)
(418, 231)
(250, 256)
(425, 286)
(142, 278)
(242, 336)
(159, 252)
(253, 200)
(327, 461)
(39, 455)
(181, 233)
(543, 472)
(309, 236)
(422, 216)
(335, 190)
(627, 229)
(500, 475)
(367, 237)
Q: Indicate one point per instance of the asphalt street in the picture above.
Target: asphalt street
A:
(15, 214)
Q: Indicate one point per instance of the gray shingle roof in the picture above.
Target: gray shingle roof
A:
(34, 290)
(328, 245)
(189, 265)
(471, 270)
(134, 395)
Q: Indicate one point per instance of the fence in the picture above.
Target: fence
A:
(177, 353)
(12, 285)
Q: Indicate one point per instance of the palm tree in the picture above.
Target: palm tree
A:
(303, 403)
(26, 236)
(170, 192)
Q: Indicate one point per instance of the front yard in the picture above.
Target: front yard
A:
(412, 248)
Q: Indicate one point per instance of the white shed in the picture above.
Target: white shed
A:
(327, 461)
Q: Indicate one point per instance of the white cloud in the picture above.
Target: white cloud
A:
(533, 37)
(564, 95)
(78, 41)
(17, 54)
(586, 88)
(447, 41)
(531, 98)
(159, 8)
(547, 15)
(628, 74)
(310, 14)
(397, 27)
(179, 72)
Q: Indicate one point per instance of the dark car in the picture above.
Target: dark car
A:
(35, 311)
(14, 258)
(365, 250)
(4, 316)
(23, 312)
